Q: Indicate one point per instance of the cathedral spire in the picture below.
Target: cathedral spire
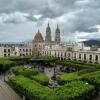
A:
(57, 35)
(48, 24)
(48, 34)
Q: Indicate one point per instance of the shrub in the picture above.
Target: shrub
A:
(92, 78)
(77, 90)
(41, 78)
(23, 71)
(31, 89)
(6, 65)
(67, 77)
(25, 58)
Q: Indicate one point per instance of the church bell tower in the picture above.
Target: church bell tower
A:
(57, 35)
(48, 34)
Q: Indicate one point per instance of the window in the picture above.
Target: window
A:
(4, 50)
(90, 57)
(84, 56)
(30, 53)
(26, 50)
(79, 56)
(68, 55)
(65, 54)
(61, 54)
(8, 50)
(96, 57)
(55, 53)
(58, 54)
(74, 55)
(50, 52)
(30, 49)
(8, 55)
(5, 55)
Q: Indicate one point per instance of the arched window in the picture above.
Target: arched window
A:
(74, 55)
(50, 52)
(55, 53)
(68, 55)
(90, 57)
(84, 56)
(79, 56)
(96, 57)
(65, 54)
(61, 53)
(58, 54)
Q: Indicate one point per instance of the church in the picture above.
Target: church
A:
(39, 42)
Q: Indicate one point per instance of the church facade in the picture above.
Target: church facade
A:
(39, 42)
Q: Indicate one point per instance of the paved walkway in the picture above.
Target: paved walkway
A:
(6, 93)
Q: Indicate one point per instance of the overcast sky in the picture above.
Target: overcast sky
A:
(77, 19)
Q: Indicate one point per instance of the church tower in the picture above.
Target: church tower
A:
(48, 34)
(57, 35)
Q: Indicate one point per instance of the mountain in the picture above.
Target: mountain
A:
(91, 42)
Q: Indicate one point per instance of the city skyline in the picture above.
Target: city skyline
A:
(77, 19)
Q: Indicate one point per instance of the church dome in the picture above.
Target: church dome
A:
(38, 37)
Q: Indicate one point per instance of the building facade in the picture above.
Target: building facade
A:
(15, 50)
(72, 52)
(39, 43)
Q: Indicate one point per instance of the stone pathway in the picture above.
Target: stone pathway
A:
(6, 93)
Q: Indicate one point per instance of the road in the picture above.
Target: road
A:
(6, 93)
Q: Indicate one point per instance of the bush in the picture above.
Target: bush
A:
(67, 77)
(6, 65)
(41, 78)
(25, 58)
(92, 78)
(77, 90)
(23, 71)
(31, 89)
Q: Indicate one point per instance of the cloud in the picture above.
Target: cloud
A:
(72, 15)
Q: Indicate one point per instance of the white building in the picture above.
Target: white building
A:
(5, 51)
(72, 52)
(22, 51)
(15, 50)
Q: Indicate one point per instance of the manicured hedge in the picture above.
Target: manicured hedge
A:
(67, 77)
(6, 64)
(30, 73)
(25, 58)
(31, 89)
(77, 90)
(77, 66)
(41, 78)
(48, 59)
(92, 78)
(23, 71)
